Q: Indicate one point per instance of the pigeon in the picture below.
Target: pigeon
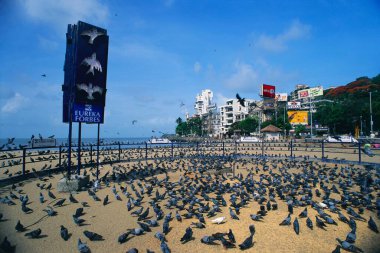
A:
(92, 236)
(303, 214)
(187, 236)
(50, 211)
(372, 225)
(287, 221)
(78, 212)
(337, 249)
(164, 247)
(64, 233)
(93, 34)
(144, 226)
(240, 100)
(348, 246)
(208, 239)
(256, 217)
(309, 223)
(351, 236)
(296, 226)
(137, 212)
(93, 63)
(320, 223)
(160, 236)
(248, 243)
(78, 221)
(226, 244)
(82, 247)
(6, 245)
(59, 202)
(42, 199)
(123, 238)
(233, 215)
(34, 234)
(105, 200)
(72, 199)
(133, 250)
(218, 220)
(231, 236)
(144, 215)
(19, 227)
(51, 195)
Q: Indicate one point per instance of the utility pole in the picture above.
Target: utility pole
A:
(361, 126)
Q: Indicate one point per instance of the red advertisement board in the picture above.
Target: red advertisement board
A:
(268, 91)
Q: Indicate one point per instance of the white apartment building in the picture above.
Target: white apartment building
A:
(203, 102)
(232, 112)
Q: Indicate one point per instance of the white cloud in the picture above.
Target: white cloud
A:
(197, 67)
(62, 12)
(14, 103)
(243, 76)
(277, 43)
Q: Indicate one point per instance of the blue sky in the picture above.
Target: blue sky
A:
(163, 52)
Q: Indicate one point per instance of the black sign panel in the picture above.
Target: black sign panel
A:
(89, 73)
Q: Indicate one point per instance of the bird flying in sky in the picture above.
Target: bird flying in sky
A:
(93, 34)
(134, 122)
(241, 100)
(93, 63)
(90, 89)
(43, 75)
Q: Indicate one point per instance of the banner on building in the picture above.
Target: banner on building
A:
(298, 117)
(294, 105)
(312, 92)
(268, 91)
(281, 97)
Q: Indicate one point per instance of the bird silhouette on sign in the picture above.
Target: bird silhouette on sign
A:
(90, 90)
(241, 100)
(134, 122)
(93, 63)
(93, 34)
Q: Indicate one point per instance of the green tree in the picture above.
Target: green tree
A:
(179, 120)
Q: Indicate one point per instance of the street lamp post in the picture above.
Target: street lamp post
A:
(311, 118)
(361, 126)
(370, 111)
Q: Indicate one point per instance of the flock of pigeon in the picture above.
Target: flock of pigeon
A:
(168, 194)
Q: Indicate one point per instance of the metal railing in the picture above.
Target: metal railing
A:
(21, 162)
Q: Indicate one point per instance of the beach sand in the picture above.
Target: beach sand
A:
(113, 219)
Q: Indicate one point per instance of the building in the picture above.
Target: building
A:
(232, 112)
(203, 102)
(271, 133)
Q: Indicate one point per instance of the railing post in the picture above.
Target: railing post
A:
(291, 148)
(60, 156)
(91, 153)
(119, 152)
(146, 151)
(360, 151)
(262, 147)
(23, 160)
(223, 148)
(323, 150)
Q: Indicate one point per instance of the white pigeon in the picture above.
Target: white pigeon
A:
(218, 220)
(90, 89)
(93, 34)
(323, 205)
(93, 63)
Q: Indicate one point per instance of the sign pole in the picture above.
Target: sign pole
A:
(97, 153)
(79, 146)
(70, 137)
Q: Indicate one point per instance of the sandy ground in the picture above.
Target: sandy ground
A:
(113, 219)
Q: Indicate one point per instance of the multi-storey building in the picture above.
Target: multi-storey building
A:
(232, 112)
(203, 102)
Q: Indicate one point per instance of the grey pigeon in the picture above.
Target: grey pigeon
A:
(82, 247)
(64, 233)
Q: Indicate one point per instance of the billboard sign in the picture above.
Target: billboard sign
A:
(312, 92)
(298, 117)
(41, 143)
(268, 91)
(89, 73)
(294, 105)
(281, 97)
